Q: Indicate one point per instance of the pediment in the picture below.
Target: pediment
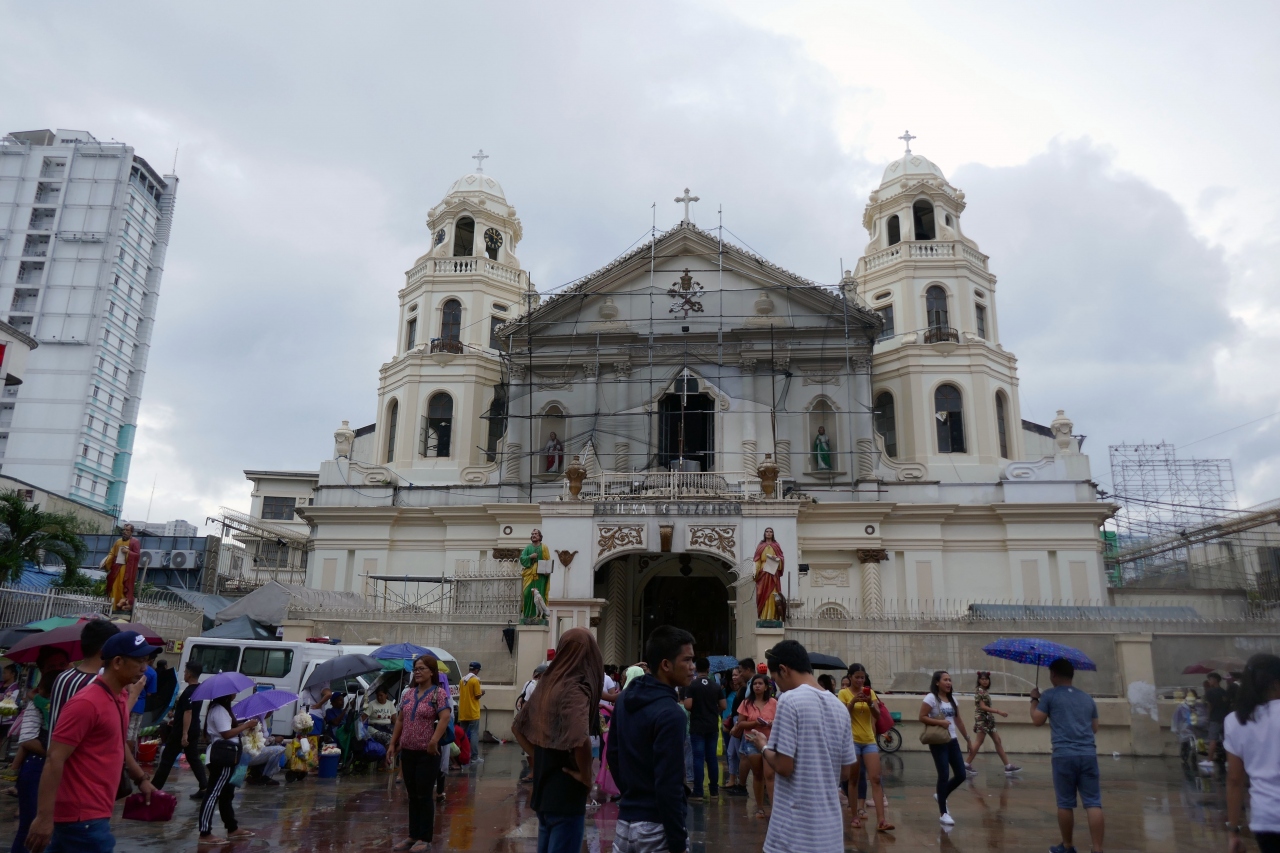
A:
(683, 283)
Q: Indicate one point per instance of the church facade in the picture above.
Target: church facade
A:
(654, 419)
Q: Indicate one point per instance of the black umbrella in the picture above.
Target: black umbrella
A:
(12, 636)
(821, 661)
(343, 666)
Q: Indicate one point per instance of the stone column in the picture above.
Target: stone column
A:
(747, 366)
(784, 458)
(512, 462)
(1137, 669)
(872, 599)
(749, 456)
(622, 456)
(618, 612)
(863, 424)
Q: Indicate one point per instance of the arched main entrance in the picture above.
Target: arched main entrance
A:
(690, 591)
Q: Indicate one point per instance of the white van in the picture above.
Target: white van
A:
(284, 666)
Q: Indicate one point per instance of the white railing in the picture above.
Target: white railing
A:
(731, 485)
(469, 266)
(924, 249)
(20, 605)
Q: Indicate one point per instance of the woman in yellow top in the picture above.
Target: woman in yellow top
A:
(864, 708)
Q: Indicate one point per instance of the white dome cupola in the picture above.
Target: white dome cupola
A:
(474, 220)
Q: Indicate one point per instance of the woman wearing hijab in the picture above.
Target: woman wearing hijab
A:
(555, 727)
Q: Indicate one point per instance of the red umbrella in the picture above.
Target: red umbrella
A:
(68, 640)
(1205, 667)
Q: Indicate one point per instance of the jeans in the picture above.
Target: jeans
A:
(420, 771)
(732, 747)
(560, 833)
(90, 836)
(219, 794)
(472, 730)
(947, 756)
(688, 760)
(28, 799)
(639, 836)
(172, 748)
(704, 752)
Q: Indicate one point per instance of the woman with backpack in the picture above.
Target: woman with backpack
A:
(938, 711)
(223, 759)
(864, 709)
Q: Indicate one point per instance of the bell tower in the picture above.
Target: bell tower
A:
(944, 391)
(441, 402)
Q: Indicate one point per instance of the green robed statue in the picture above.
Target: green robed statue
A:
(821, 450)
(534, 597)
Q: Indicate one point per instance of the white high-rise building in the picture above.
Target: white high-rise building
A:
(84, 226)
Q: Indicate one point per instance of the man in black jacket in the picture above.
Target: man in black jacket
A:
(646, 749)
(184, 734)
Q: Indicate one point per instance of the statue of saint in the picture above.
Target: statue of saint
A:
(821, 450)
(121, 566)
(555, 453)
(768, 576)
(535, 563)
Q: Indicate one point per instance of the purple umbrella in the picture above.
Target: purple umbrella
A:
(222, 684)
(261, 704)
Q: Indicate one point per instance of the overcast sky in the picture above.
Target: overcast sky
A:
(1118, 161)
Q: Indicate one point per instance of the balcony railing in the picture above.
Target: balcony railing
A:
(469, 266)
(938, 334)
(922, 250)
(641, 485)
(445, 345)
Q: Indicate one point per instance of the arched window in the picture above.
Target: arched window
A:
(553, 438)
(831, 610)
(922, 213)
(950, 418)
(464, 237)
(437, 426)
(451, 321)
(411, 334)
(822, 438)
(894, 230)
(1002, 424)
(935, 307)
(393, 417)
(886, 423)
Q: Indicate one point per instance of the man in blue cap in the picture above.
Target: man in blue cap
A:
(469, 692)
(74, 815)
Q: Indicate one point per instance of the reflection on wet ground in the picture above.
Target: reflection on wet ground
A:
(1151, 805)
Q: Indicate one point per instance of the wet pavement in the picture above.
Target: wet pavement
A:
(1149, 803)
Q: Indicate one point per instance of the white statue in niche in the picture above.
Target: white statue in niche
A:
(554, 451)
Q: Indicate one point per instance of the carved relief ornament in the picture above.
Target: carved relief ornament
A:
(615, 537)
(718, 538)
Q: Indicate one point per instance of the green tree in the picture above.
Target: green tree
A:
(27, 533)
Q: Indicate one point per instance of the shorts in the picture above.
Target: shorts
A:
(865, 748)
(1215, 732)
(748, 748)
(639, 836)
(984, 724)
(1077, 773)
(135, 727)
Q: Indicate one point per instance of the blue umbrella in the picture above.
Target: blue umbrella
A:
(261, 704)
(399, 651)
(1037, 653)
(720, 663)
(222, 684)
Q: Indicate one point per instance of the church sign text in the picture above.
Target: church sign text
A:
(668, 508)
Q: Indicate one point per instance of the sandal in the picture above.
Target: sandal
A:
(404, 845)
(213, 841)
(240, 833)
(856, 823)
(862, 814)
(885, 826)
(420, 847)
(759, 813)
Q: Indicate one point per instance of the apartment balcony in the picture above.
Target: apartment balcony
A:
(447, 346)
(941, 334)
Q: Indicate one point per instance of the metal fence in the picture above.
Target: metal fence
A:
(20, 605)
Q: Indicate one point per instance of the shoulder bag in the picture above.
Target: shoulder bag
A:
(936, 735)
(124, 787)
(448, 737)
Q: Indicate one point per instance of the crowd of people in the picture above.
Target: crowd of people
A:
(655, 729)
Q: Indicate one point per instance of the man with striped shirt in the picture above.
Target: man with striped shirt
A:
(810, 748)
(71, 681)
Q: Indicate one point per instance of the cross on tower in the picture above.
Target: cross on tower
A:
(685, 200)
(480, 158)
(907, 137)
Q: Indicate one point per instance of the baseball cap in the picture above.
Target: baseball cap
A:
(540, 668)
(475, 664)
(129, 644)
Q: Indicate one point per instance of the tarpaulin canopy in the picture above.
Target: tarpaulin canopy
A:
(242, 628)
(209, 603)
(270, 603)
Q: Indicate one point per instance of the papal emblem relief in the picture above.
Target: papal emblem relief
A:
(686, 296)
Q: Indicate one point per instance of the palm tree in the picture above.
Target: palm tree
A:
(27, 534)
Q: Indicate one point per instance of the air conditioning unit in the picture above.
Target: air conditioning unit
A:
(150, 557)
(182, 559)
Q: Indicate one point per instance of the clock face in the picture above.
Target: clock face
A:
(439, 236)
(492, 239)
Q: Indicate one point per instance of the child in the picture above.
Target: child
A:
(984, 723)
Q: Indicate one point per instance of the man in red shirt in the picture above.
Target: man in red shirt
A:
(74, 815)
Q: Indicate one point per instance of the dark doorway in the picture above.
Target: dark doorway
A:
(687, 430)
(700, 605)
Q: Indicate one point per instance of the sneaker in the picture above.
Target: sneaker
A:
(736, 791)
(696, 798)
(715, 793)
(1011, 768)
(1061, 848)
(198, 795)
(969, 767)
(946, 820)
